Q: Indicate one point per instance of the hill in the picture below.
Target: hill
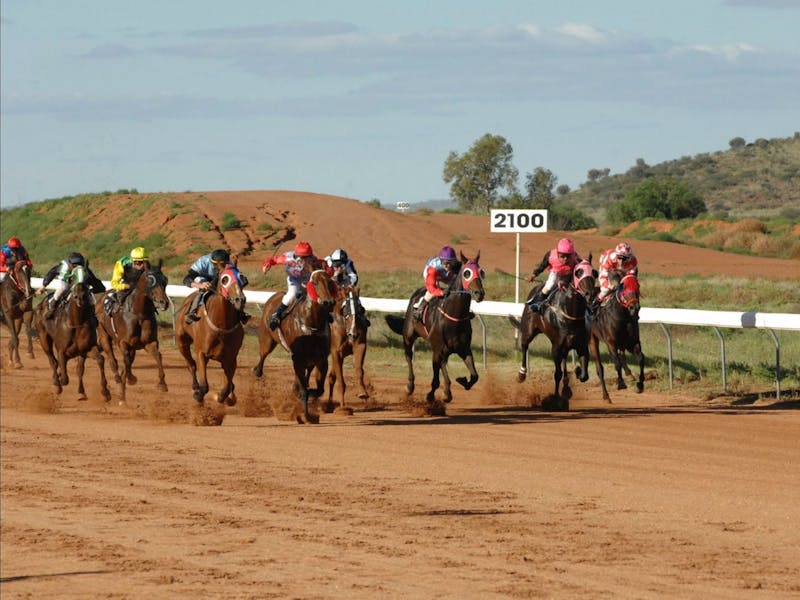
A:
(178, 227)
(760, 179)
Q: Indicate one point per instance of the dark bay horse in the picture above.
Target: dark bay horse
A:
(133, 325)
(304, 333)
(446, 325)
(348, 338)
(16, 305)
(72, 333)
(617, 324)
(218, 335)
(563, 320)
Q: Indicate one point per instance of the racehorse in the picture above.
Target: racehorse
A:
(348, 337)
(616, 323)
(304, 333)
(16, 305)
(133, 325)
(217, 335)
(72, 333)
(446, 325)
(563, 320)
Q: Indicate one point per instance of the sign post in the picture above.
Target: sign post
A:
(518, 220)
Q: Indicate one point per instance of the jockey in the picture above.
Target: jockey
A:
(343, 270)
(203, 275)
(298, 264)
(561, 260)
(12, 253)
(61, 274)
(442, 268)
(617, 263)
(137, 260)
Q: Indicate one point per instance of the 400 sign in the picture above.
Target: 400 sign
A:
(518, 220)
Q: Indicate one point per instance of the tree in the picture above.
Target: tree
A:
(480, 174)
(539, 188)
(658, 198)
(737, 142)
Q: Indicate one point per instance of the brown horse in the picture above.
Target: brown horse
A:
(216, 336)
(348, 338)
(16, 305)
(446, 325)
(304, 333)
(133, 326)
(72, 333)
(617, 324)
(563, 320)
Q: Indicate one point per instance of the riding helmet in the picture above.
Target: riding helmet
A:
(623, 250)
(339, 257)
(220, 256)
(447, 253)
(139, 253)
(565, 246)
(76, 258)
(303, 249)
(14, 243)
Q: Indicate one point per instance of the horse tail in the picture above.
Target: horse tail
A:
(517, 323)
(395, 323)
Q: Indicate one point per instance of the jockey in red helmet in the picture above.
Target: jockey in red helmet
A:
(439, 269)
(616, 263)
(12, 253)
(561, 260)
(299, 265)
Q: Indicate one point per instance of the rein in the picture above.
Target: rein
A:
(219, 329)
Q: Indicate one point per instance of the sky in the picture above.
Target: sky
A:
(367, 98)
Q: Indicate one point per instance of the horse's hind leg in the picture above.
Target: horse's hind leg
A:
(201, 379)
(80, 367)
(101, 364)
(438, 365)
(359, 353)
(27, 318)
(640, 361)
(183, 343)
(14, 327)
(594, 347)
(409, 351)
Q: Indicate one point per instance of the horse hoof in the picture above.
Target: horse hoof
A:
(257, 372)
(363, 396)
(117, 379)
(163, 387)
(231, 400)
(198, 397)
(639, 388)
(83, 398)
(17, 365)
(622, 385)
(132, 380)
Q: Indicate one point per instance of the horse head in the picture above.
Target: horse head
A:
(321, 289)
(79, 292)
(21, 277)
(157, 286)
(584, 277)
(231, 286)
(628, 294)
(472, 276)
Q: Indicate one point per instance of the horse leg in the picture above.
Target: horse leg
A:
(106, 344)
(582, 370)
(47, 347)
(154, 351)
(62, 368)
(128, 353)
(101, 364)
(27, 318)
(408, 347)
(637, 350)
(594, 347)
(226, 394)
(615, 356)
(448, 394)
(557, 371)
(14, 326)
(80, 367)
(202, 382)
(301, 383)
(436, 364)
(266, 346)
(359, 353)
(184, 343)
(469, 361)
(336, 378)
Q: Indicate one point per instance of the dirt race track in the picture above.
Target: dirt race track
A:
(657, 496)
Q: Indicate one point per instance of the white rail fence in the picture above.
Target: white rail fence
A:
(664, 317)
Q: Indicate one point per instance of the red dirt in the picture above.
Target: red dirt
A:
(660, 495)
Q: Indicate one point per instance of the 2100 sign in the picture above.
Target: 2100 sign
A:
(518, 221)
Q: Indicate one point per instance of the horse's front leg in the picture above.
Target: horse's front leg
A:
(14, 326)
(594, 347)
(409, 351)
(469, 361)
(101, 364)
(301, 384)
(637, 350)
(80, 367)
(27, 318)
(336, 379)
(200, 385)
(226, 394)
(359, 354)
(437, 365)
(62, 368)
(448, 394)
(558, 372)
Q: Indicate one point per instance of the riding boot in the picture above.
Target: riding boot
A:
(277, 317)
(418, 309)
(51, 308)
(191, 315)
(243, 317)
(536, 302)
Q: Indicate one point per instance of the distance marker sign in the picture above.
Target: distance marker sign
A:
(518, 220)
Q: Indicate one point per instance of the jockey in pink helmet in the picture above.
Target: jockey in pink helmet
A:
(561, 260)
(442, 268)
(615, 263)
